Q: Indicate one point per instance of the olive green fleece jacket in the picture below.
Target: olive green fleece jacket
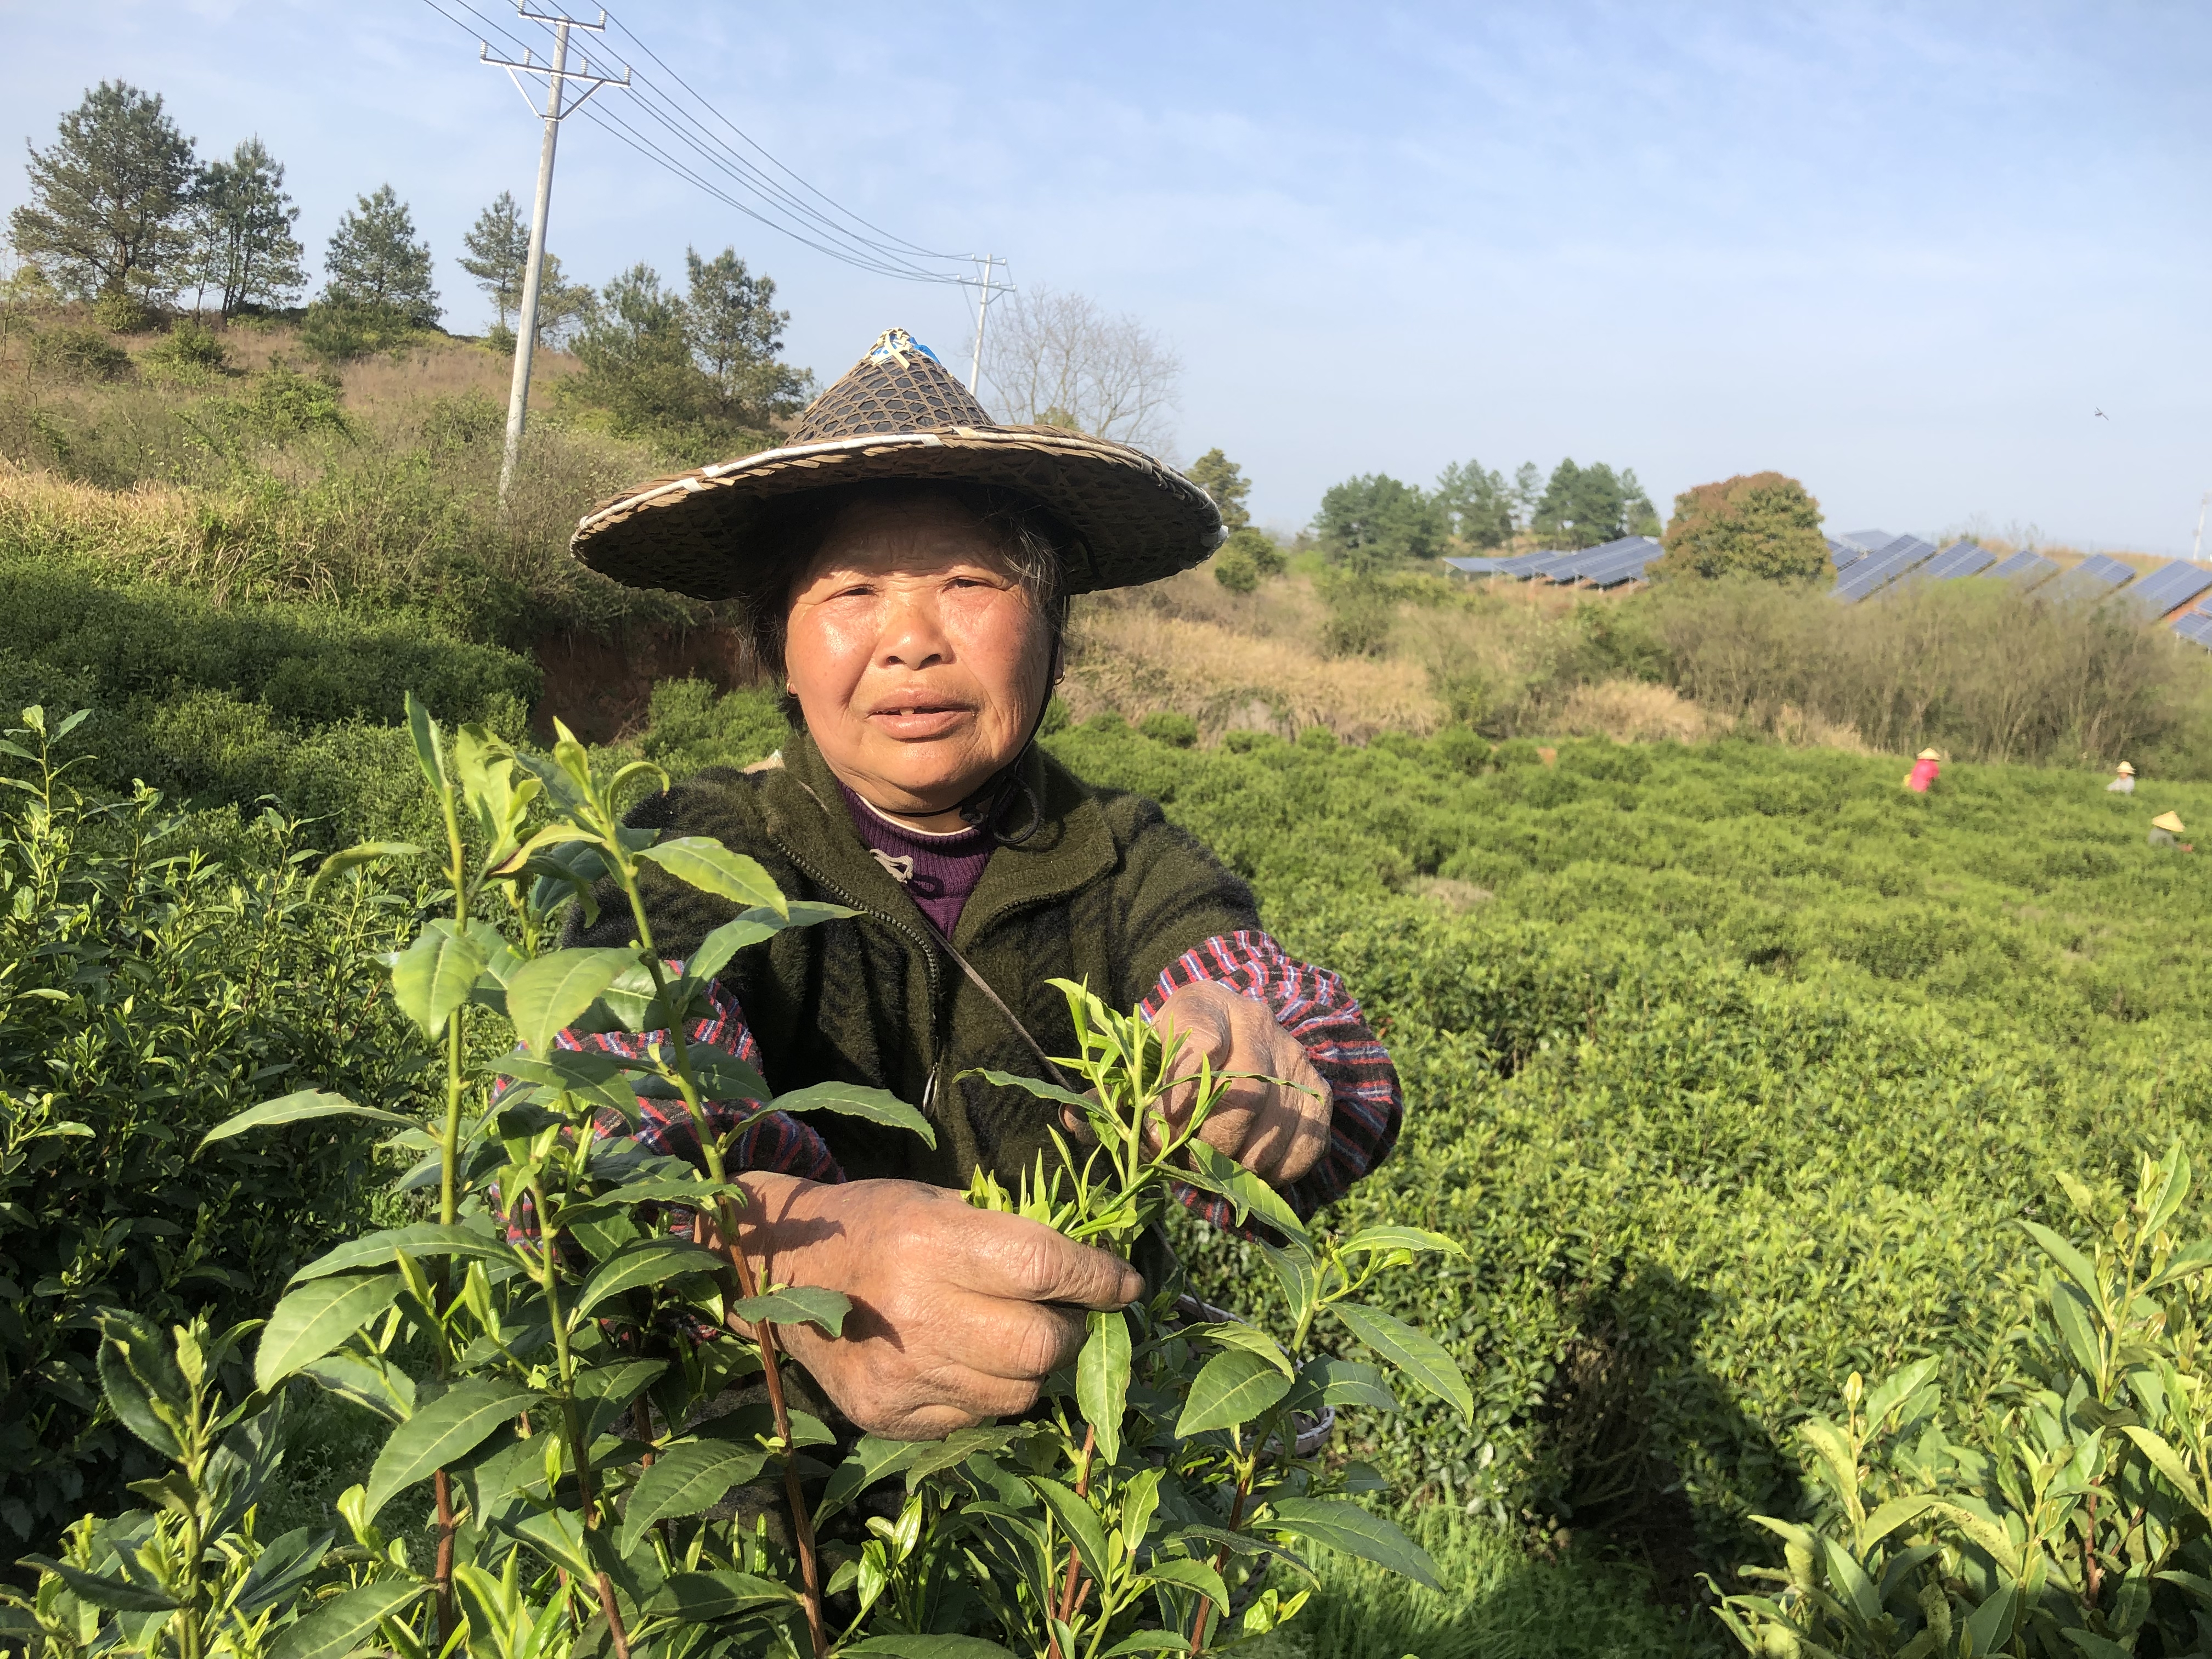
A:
(1105, 892)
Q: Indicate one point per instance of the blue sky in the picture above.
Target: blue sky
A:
(1902, 253)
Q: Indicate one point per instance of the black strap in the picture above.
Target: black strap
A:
(1052, 1073)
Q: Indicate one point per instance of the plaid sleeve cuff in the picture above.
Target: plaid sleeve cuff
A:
(1312, 1004)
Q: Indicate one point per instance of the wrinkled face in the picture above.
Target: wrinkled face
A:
(916, 654)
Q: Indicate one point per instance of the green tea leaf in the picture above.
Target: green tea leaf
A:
(1147, 1641)
(1376, 1240)
(640, 1265)
(283, 1568)
(437, 974)
(298, 1107)
(752, 927)
(2071, 1262)
(1990, 1627)
(1079, 1522)
(1231, 1388)
(684, 1480)
(315, 1318)
(379, 1386)
(353, 858)
(139, 1376)
(871, 1461)
(340, 1626)
(548, 993)
(1102, 1379)
(1299, 1274)
(1193, 1575)
(428, 754)
(1345, 1525)
(721, 1075)
(701, 1597)
(1034, 1085)
(99, 1590)
(420, 1238)
(1223, 1176)
(2168, 1462)
(1418, 1358)
(707, 864)
(851, 1100)
(444, 1431)
(797, 1305)
(930, 1647)
(1250, 1338)
(1327, 1381)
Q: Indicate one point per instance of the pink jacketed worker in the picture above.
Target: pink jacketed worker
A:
(1925, 768)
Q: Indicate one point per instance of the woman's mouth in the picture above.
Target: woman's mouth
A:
(919, 721)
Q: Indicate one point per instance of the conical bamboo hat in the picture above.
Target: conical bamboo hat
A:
(898, 413)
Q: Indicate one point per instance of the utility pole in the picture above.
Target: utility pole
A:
(990, 262)
(557, 75)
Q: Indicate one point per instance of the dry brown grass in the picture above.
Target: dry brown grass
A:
(1134, 660)
(1633, 711)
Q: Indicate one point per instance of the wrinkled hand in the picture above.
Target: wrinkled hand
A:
(959, 1313)
(1277, 1132)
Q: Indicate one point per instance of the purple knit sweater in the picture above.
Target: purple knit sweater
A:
(938, 871)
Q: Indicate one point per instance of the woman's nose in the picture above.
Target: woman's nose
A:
(914, 633)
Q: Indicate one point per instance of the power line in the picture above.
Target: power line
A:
(829, 229)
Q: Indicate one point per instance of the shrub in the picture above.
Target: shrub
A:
(1234, 569)
(338, 331)
(1165, 725)
(79, 354)
(189, 354)
(151, 992)
(119, 311)
(1759, 524)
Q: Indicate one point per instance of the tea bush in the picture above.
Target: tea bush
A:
(147, 991)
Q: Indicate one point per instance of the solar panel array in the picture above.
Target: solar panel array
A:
(2169, 588)
(1961, 558)
(2093, 579)
(1608, 565)
(2195, 627)
(1867, 540)
(2026, 569)
(1884, 565)
(1843, 553)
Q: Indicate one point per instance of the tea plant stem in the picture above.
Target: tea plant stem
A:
(802, 1523)
(1246, 1471)
(449, 1159)
(1082, 1490)
(550, 1281)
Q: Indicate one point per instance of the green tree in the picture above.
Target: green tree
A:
(563, 306)
(374, 260)
(736, 335)
(109, 197)
(636, 353)
(1375, 521)
(1528, 490)
(1478, 504)
(1760, 524)
(1587, 506)
(1225, 482)
(242, 220)
(498, 253)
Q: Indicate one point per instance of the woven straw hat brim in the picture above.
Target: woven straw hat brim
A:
(2126, 770)
(1135, 520)
(2169, 822)
(1927, 753)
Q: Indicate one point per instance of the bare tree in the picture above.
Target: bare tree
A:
(1055, 358)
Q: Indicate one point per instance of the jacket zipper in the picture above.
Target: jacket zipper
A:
(937, 999)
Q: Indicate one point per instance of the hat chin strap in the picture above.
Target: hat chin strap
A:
(997, 792)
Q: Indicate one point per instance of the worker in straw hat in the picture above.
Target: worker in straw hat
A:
(2124, 784)
(1925, 765)
(2165, 830)
(904, 565)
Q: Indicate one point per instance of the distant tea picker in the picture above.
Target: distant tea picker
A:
(2165, 831)
(903, 565)
(2124, 784)
(1925, 765)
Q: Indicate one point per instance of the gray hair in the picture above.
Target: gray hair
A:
(789, 533)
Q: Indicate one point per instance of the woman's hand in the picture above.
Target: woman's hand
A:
(959, 1313)
(1276, 1131)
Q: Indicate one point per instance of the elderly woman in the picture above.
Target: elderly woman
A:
(905, 567)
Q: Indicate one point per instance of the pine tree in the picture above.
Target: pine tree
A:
(243, 246)
(736, 334)
(498, 255)
(1225, 485)
(1480, 504)
(374, 261)
(109, 198)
